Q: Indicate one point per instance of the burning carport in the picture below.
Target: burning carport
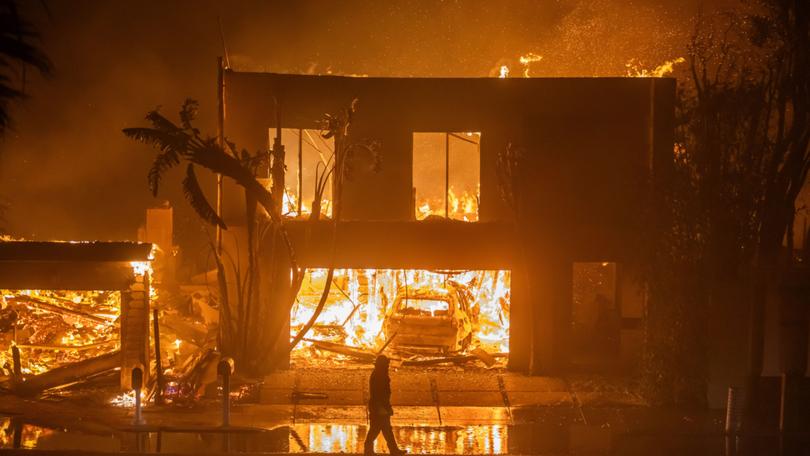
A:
(74, 309)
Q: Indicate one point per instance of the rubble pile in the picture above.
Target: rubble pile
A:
(53, 328)
(68, 344)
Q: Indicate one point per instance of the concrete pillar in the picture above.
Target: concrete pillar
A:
(272, 319)
(135, 329)
(520, 322)
(551, 295)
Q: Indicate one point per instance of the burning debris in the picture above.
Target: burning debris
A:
(54, 328)
(420, 317)
(462, 206)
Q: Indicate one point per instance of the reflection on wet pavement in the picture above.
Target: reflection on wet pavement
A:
(526, 438)
(330, 438)
(299, 438)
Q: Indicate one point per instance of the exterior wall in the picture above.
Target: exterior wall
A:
(158, 230)
(595, 147)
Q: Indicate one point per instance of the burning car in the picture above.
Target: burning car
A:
(430, 318)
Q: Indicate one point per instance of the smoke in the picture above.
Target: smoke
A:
(67, 172)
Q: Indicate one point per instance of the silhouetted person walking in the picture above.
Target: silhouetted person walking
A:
(379, 408)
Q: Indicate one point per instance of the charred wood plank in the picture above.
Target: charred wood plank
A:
(484, 356)
(42, 304)
(69, 347)
(70, 373)
(354, 352)
(457, 359)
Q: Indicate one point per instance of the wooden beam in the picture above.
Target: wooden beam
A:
(70, 373)
(48, 275)
(74, 251)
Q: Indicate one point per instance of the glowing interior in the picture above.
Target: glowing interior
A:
(473, 304)
(447, 175)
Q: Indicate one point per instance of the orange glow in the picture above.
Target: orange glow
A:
(526, 60)
(348, 438)
(634, 69)
(290, 208)
(463, 206)
(361, 300)
(59, 327)
(49, 338)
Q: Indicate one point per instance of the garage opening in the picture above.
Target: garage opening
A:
(417, 316)
(596, 314)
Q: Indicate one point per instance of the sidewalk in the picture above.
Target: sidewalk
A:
(413, 387)
(435, 413)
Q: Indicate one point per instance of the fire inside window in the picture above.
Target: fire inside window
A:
(415, 314)
(308, 157)
(447, 175)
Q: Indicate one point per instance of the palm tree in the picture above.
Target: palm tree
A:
(17, 52)
(251, 346)
(184, 142)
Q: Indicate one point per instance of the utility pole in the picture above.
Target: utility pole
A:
(220, 140)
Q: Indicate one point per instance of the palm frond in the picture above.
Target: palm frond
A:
(209, 155)
(163, 162)
(197, 199)
(165, 141)
(161, 123)
(13, 48)
(18, 47)
(188, 113)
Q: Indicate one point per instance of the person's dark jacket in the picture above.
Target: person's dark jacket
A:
(379, 401)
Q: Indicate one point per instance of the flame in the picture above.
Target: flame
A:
(141, 267)
(634, 69)
(127, 400)
(360, 300)
(290, 206)
(526, 60)
(462, 206)
(51, 338)
(6, 431)
(60, 327)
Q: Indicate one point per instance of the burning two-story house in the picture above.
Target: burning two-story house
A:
(430, 255)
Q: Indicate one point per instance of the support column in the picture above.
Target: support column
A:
(520, 321)
(551, 316)
(135, 329)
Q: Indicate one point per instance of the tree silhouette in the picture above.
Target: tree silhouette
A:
(741, 159)
(17, 52)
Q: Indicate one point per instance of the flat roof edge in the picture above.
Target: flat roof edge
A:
(421, 78)
(53, 251)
